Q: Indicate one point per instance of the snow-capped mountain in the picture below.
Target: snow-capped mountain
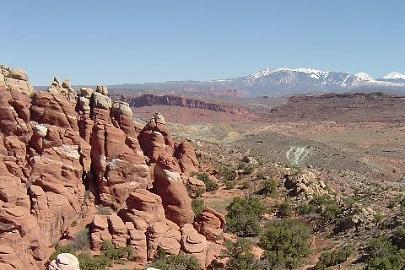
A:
(287, 81)
(394, 77)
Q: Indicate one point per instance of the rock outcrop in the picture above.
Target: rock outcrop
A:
(211, 224)
(171, 100)
(63, 152)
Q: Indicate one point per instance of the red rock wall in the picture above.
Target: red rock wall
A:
(63, 152)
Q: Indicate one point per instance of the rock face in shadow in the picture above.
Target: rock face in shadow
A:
(350, 107)
(65, 151)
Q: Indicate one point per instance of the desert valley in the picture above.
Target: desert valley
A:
(111, 178)
(202, 135)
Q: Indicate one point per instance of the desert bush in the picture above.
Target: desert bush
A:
(269, 187)
(240, 256)
(286, 243)
(245, 185)
(285, 209)
(334, 257)
(210, 185)
(244, 216)
(378, 217)
(62, 249)
(246, 168)
(326, 206)
(399, 237)
(113, 253)
(198, 206)
(82, 240)
(87, 261)
(227, 173)
(229, 184)
(175, 262)
(305, 209)
(90, 262)
(383, 255)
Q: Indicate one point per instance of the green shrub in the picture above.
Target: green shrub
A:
(229, 184)
(285, 210)
(326, 206)
(244, 216)
(383, 255)
(113, 253)
(175, 262)
(305, 209)
(87, 261)
(198, 206)
(378, 217)
(269, 187)
(332, 258)
(245, 185)
(246, 168)
(210, 185)
(285, 243)
(90, 262)
(399, 237)
(227, 173)
(240, 255)
(82, 240)
(62, 249)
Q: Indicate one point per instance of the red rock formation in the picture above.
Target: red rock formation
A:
(211, 224)
(185, 154)
(56, 145)
(169, 185)
(155, 139)
(171, 100)
(350, 107)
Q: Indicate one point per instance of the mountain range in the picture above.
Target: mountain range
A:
(284, 81)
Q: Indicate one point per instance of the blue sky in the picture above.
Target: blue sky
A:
(149, 41)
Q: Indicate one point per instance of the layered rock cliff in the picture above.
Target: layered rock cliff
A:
(63, 152)
(350, 107)
(171, 100)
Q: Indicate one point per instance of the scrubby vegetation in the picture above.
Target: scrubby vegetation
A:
(382, 254)
(285, 209)
(244, 215)
(325, 205)
(335, 257)
(198, 206)
(109, 254)
(240, 256)
(286, 243)
(210, 184)
(269, 187)
(175, 262)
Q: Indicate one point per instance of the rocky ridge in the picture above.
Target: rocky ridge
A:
(350, 107)
(172, 100)
(65, 152)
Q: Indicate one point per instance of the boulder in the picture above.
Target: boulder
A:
(64, 261)
(194, 243)
(211, 224)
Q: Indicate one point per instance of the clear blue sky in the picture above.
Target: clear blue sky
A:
(150, 41)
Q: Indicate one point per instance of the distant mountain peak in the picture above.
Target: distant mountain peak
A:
(362, 76)
(394, 76)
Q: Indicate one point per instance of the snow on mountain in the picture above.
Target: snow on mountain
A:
(394, 76)
(362, 76)
(286, 81)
